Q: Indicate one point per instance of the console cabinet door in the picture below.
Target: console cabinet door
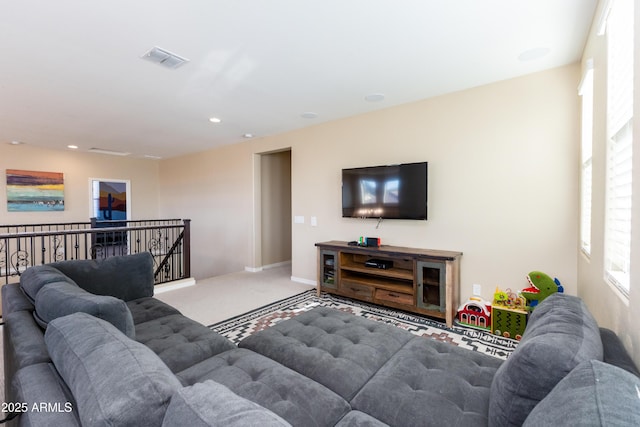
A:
(328, 269)
(432, 285)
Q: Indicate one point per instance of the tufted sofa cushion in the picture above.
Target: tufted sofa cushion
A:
(181, 342)
(337, 349)
(453, 383)
(297, 399)
(594, 394)
(114, 380)
(61, 298)
(34, 278)
(212, 404)
(359, 419)
(149, 308)
(560, 334)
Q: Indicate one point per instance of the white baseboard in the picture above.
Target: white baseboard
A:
(304, 281)
(267, 267)
(172, 286)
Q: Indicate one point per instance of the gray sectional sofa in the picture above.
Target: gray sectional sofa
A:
(85, 343)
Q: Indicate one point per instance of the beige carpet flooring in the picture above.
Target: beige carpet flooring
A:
(218, 298)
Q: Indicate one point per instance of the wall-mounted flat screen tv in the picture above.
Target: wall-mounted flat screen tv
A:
(391, 192)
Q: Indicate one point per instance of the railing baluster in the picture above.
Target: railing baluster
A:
(43, 249)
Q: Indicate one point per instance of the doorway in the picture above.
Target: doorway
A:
(273, 245)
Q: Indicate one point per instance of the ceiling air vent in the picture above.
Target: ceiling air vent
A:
(110, 152)
(164, 57)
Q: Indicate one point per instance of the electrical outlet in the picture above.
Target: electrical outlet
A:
(477, 289)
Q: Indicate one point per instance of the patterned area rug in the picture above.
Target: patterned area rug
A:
(239, 327)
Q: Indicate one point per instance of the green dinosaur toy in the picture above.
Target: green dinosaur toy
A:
(541, 287)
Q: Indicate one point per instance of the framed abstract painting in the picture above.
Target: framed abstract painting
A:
(34, 191)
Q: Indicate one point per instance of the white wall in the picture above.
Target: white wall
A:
(215, 190)
(502, 178)
(502, 183)
(78, 168)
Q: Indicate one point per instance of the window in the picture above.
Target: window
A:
(619, 32)
(586, 92)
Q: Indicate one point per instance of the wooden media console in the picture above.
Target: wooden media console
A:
(421, 281)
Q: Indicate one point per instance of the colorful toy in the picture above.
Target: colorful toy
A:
(508, 322)
(509, 299)
(508, 314)
(541, 287)
(475, 313)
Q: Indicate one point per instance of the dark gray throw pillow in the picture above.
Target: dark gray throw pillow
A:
(560, 334)
(115, 380)
(593, 394)
(34, 278)
(60, 299)
(125, 277)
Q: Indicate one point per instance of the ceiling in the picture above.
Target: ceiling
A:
(71, 71)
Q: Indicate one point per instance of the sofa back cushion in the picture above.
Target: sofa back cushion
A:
(125, 277)
(594, 394)
(35, 278)
(114, 380)
(60, 299)
(560, 334)
(212, 404)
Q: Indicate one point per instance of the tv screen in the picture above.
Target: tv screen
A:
(392, 192)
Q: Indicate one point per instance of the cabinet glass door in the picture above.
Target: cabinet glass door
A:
(431, 285)
(328, 266)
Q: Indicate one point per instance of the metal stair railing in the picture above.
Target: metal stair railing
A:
(26, 245)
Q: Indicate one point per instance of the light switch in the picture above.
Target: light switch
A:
(314, 221)
(298, 219)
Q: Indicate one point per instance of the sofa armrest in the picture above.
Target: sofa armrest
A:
(13, 299)
(23, 346)
(615, 353)
(41, 398)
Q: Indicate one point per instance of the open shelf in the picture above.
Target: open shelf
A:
(377, 281)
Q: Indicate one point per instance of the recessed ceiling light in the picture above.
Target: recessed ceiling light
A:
(309, 115)
(151, 156)
(73, 147)
(16, 143)
(214, 120)
(374, 97)
(535, 53)
(247, 135)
